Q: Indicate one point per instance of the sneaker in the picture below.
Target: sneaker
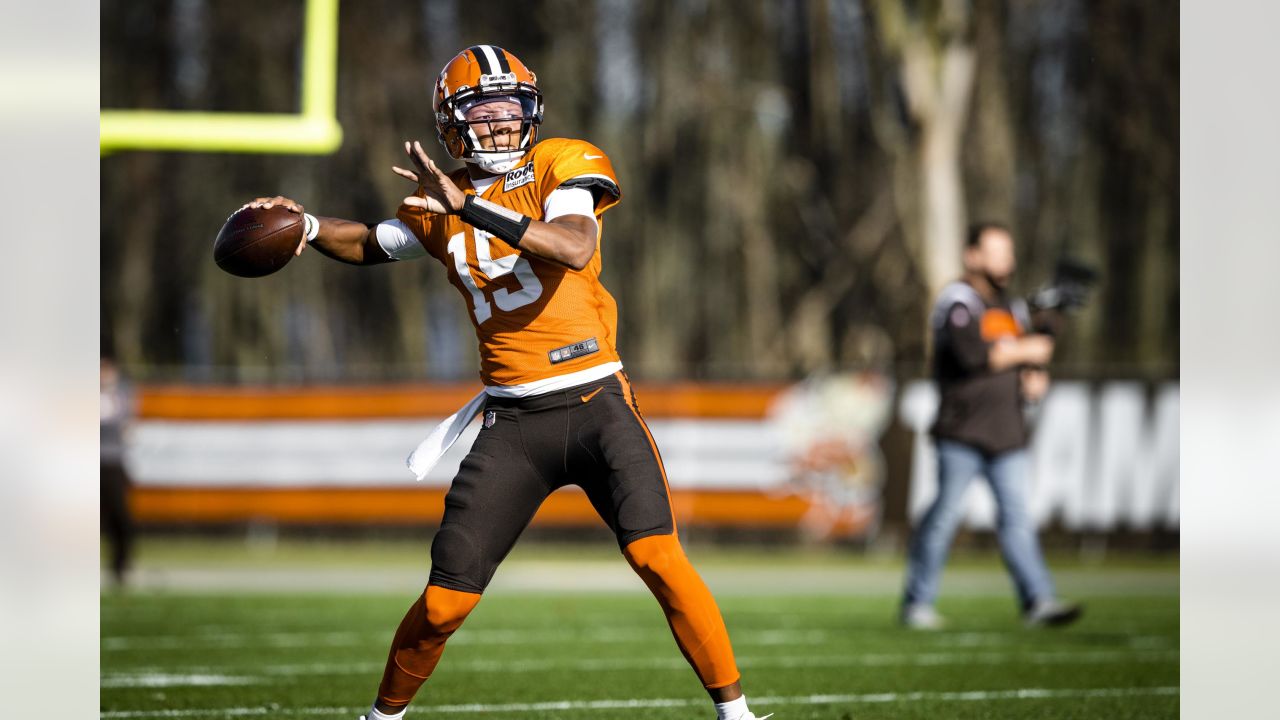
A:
(1052, 613)
(921, 617)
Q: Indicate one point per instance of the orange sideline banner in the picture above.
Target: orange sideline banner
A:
(180, 402)
(568, 507)
(334, 455)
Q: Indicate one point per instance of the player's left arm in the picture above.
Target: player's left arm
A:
(569, 240)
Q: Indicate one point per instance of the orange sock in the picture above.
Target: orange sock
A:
(691, 612)
(419, 641)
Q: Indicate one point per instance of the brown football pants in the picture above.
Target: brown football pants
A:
(591, 435)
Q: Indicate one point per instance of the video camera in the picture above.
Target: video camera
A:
(1072, 283)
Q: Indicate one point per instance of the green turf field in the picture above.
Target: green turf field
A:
(807, 649)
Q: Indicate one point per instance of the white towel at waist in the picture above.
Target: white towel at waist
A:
(429, 451)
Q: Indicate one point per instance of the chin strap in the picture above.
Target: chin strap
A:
(496, 166)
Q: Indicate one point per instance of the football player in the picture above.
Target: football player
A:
(519, 234)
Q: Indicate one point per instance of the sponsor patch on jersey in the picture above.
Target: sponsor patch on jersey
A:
(576, 350)
(517, 178)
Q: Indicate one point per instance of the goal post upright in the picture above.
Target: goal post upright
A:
(313, 131)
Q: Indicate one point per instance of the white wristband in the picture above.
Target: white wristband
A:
(312, 226)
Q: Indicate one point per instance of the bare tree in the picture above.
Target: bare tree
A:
(936, 60)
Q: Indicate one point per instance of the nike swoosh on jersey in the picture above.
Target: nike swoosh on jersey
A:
(591, 157)
(587, 397)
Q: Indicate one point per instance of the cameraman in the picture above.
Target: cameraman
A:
(986, 365)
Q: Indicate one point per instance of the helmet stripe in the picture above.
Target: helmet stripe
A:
(492, 57)
(488, 64)
(502, 57)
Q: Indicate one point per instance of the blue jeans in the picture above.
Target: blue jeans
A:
(1007, 472)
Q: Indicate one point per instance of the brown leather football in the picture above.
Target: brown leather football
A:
(257, 241)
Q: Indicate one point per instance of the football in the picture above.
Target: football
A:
(257, 241)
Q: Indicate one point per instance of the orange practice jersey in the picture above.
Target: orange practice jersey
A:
(534, 319)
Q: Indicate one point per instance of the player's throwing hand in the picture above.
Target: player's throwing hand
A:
(440, 194)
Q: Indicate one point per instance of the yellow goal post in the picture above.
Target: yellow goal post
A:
(314, 131)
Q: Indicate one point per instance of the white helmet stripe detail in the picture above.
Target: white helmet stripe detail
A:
(494, 66)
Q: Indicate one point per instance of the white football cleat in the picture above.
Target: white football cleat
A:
(921, 617)
(1052, 613)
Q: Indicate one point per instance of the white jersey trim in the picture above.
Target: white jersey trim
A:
(397, 240)
(552, 384)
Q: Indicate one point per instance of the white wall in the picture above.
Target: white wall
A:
(1102, 457)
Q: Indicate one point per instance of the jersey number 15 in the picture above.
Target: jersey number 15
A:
(530, 287)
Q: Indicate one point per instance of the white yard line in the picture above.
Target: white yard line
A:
(464, 637)
(159, 680)
(639, 703)
(153, 676)
(237, 640)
